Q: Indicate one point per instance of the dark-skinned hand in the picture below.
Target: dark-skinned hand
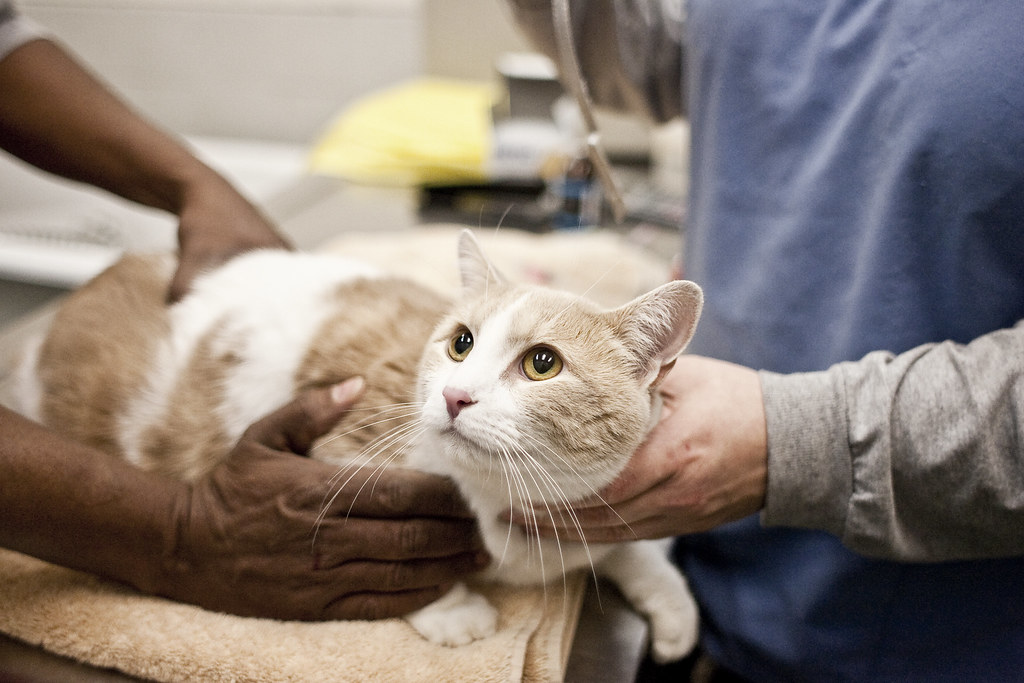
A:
(250, 540)
(216, 223)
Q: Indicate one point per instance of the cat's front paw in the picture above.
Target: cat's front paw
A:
(674, 628)
(657, 590)
(458, 618)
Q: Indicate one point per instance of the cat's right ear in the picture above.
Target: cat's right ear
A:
(477, 272)
(658, 325)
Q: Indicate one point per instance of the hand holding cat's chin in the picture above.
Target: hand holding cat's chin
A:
(244, 540)
(704, 464)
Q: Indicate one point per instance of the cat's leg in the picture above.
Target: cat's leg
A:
(458, 618)
(656, 589)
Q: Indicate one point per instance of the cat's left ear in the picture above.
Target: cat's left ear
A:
(658, 325)
(477, 271)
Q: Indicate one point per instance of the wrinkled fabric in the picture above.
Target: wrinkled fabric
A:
(857, 214)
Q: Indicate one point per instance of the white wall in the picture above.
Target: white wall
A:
(464, 37)
(272, 69)
(265, 69)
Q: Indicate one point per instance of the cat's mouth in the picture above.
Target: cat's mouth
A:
(452, 432)
(467, 441)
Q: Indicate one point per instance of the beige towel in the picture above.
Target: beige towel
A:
(91, 620)
(107, 625)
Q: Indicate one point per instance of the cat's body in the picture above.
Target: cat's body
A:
(522, 395)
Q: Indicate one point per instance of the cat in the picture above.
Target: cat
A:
(522, 395)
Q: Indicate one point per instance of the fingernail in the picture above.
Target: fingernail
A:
(347, 390)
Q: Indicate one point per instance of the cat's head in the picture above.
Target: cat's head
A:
(542, 387)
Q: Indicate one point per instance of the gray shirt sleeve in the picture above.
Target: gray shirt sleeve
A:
(630, 51)
(15, 30)
(917, 456)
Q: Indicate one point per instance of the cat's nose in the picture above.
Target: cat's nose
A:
(456, 400)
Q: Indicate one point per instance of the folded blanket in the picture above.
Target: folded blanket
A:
(108, 625)
(91, 620)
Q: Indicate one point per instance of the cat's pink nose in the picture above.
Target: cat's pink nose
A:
(456, 400)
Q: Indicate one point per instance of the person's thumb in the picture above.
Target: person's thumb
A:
(296, 425)
(187, 271)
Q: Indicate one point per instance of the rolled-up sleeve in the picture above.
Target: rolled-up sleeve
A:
(916, 456)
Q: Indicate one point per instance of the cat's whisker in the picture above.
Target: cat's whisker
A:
(350, 467)
(519, 481)
(506, 475)
(569, 468)
(378, 469)
(410, 410)
(327, 441)
(562, 512)
(564, 509)
(333, 491)
(532, 467)
(556, 493)
(512, 462)
(366, 425)
(388, 406)
(374, 477)
(354, 462)
(403, 435)
(406, 431)
(513, 455)
(399, 442)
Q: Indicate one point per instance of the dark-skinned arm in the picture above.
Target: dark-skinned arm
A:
(56, 115)
(241, 540)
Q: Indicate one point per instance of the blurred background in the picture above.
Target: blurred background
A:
(260, 88)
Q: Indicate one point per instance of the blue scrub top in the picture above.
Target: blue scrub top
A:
(857, 184)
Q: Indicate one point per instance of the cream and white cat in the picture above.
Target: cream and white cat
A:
(523, 395)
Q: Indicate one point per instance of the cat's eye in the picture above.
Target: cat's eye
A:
(460, 345)
(541, 363)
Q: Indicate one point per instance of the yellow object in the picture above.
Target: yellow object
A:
(425, 131)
